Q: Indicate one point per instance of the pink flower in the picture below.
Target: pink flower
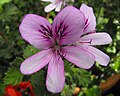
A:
(90, 37)
(63, 39)
(55, 4)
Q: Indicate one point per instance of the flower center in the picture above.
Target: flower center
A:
(57, 47)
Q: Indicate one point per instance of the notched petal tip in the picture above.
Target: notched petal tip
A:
(90, 19)
(84, 5)
(88, 11)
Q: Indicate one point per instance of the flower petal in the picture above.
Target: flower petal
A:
(68, 25)
(57, 9)
(100, 57)
(78, 56)
(36, 30)
(55, 75)
(36, 62)
(96, 39)
(50, 7)
(48, 0)
(90, 20)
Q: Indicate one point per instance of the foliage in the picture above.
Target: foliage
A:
(78, 76)
(116, 63)
(2, 86)
(29, 51)
(4, 1)
(93, 91)
(68, 90)
(13, 76)
(37, 80)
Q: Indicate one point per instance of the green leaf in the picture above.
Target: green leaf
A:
(39, 86)
(29, 51)
(111, 49)
(2, 86)
(78, 76)
(68, 90)
(116, 63)
(5, 53)
(37, 79)
(93, 91)
(38, 82)
(8, 11)
(82, 77)
(110, 94)
(4, 1)
(17, 62)
(13, 76)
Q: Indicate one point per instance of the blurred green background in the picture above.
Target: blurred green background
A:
(13, 49)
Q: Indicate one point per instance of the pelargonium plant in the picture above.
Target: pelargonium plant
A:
(55, 4)
(71, 36)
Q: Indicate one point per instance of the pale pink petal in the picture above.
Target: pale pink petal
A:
(90, 20)
(36, 30)
(55, 75)
(78, 56)
(96, 39)
(36, 62)
(100, 57)
(50, 7)
(58, 7)
(48, 0)
(68, 25)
